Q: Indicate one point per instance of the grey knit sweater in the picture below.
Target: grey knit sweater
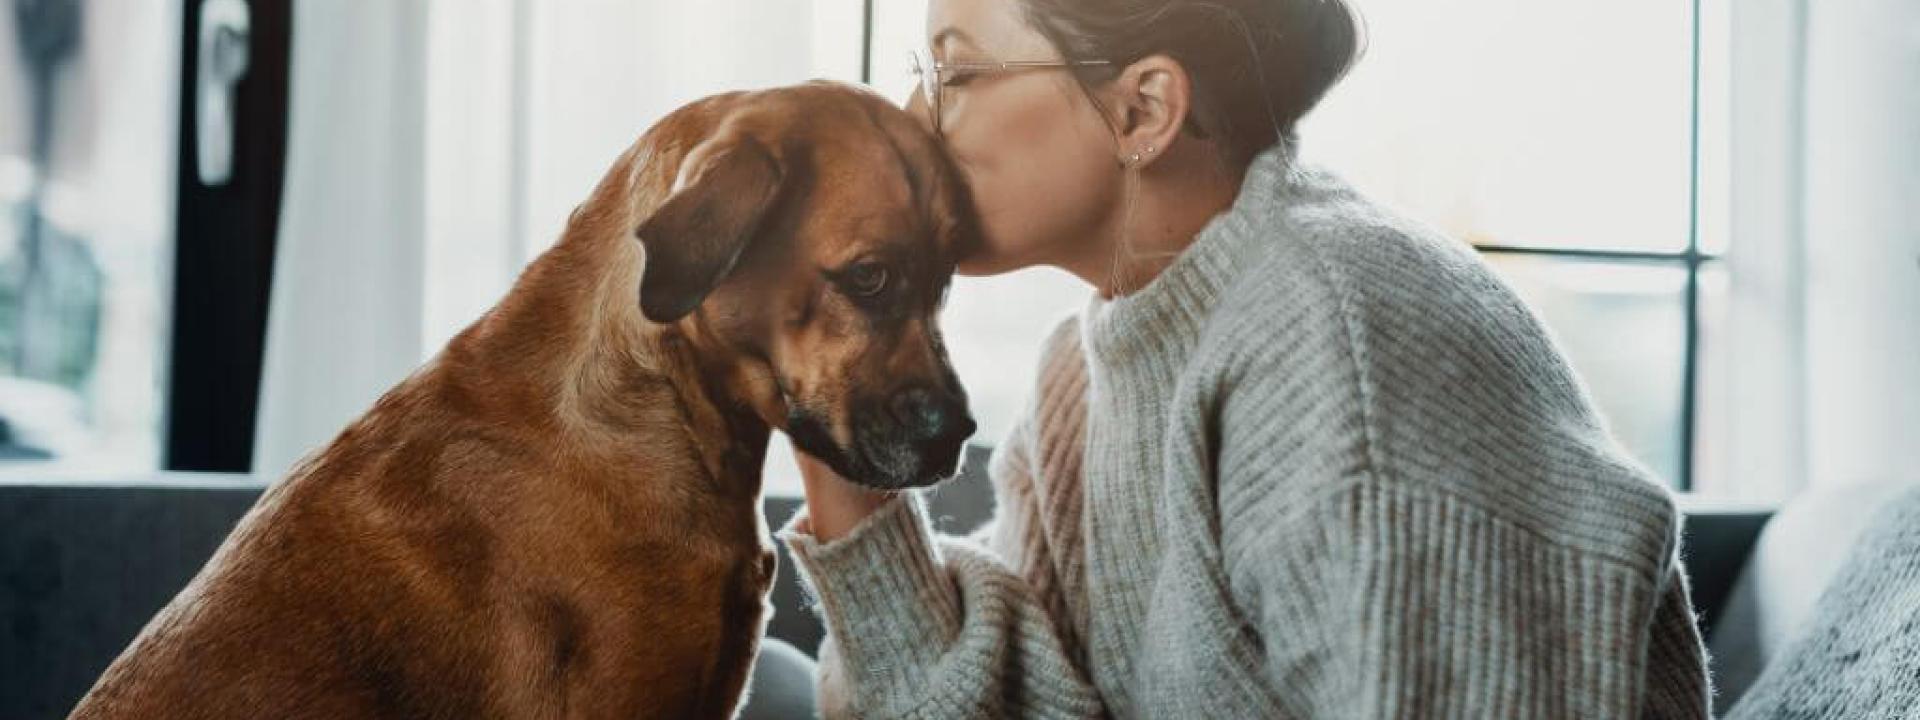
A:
(1326, 465)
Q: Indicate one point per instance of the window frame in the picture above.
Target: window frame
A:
(1692, 258)
(224, 243)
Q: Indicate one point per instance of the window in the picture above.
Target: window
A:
(1579, 145)
(86, 213)
(133, 266)
(1584, 172)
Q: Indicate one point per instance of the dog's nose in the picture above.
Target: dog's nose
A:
(933, 415)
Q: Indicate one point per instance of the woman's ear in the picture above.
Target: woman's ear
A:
(1151, 101)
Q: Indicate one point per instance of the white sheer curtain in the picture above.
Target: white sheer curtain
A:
(438, 145)
(347, 293)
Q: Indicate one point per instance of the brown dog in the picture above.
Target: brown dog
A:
(559, 515)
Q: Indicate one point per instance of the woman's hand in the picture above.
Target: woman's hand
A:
(835, 505)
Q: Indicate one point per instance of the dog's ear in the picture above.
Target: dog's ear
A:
(725, 190)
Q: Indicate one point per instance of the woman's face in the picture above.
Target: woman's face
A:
(1040, 159)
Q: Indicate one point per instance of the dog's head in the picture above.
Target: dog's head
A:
(813, 231)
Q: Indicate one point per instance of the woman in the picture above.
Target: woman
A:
(1298, 457)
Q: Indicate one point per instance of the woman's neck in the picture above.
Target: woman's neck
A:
(1159, 211)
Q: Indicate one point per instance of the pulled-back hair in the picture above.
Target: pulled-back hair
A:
(1256, 66)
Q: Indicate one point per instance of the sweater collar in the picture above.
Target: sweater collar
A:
(1175, 303)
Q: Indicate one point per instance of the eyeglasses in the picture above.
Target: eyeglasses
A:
(936, 76)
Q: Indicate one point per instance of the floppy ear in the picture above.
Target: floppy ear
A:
(694, 239)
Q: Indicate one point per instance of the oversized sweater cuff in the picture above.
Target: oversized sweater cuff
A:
(888, 601)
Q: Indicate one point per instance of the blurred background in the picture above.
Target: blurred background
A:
(226, 226)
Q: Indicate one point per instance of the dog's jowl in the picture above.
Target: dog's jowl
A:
(559, 515)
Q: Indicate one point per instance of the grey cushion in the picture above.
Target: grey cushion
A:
(84, 565)
(1796, 557)
(1855, 653)
(782, 685)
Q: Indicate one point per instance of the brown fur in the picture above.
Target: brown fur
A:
(559, 515)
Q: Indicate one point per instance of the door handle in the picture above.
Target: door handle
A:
(225, 26)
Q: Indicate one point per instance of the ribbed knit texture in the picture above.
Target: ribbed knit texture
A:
(1325, 465)
(1858, 656)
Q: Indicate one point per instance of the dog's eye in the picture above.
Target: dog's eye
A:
(867, 279)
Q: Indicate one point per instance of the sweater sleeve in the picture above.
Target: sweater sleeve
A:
(1678, 686)
(1437, 535)
(1422, 605)
(926, 626)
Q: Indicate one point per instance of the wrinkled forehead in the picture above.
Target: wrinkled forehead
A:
(880, 183)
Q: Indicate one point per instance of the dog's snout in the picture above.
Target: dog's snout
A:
(933, 415)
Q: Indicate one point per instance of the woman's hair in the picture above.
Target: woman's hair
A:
(1256, 66)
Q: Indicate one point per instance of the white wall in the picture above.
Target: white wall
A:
(1823, 381)
(1753, 378)
(1862, 235)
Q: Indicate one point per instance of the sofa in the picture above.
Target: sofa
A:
(84, 564)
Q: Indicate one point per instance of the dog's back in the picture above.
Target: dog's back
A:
(559, 516)
(406, 571)
(349, 575)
